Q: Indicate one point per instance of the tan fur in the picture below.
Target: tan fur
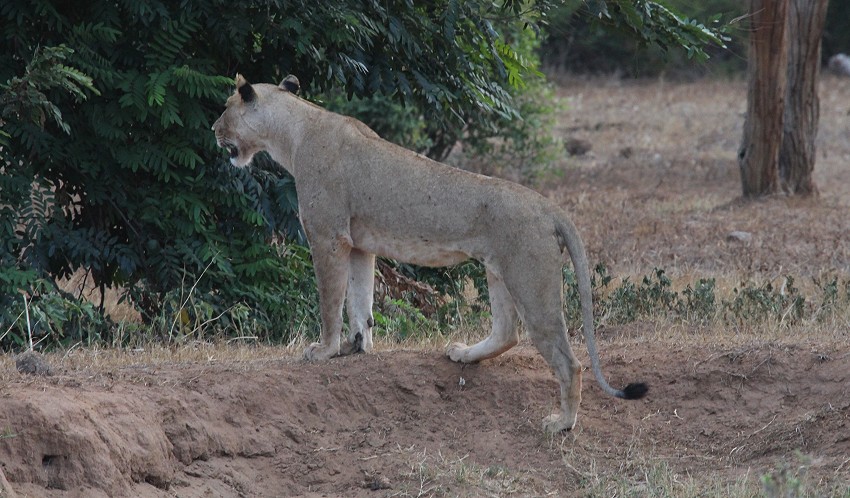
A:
(360, 196)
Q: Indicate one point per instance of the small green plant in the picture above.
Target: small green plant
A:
(654, 295)
(834, 294)
(761, 302)
(400, 321)
(628, 301)
(700, 303)
(54, 318)
(789, 479)
(8, 433)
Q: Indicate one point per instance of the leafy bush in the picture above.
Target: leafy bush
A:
(53, 317)
(400, 320)
(836, 36)
(584, 39)
(700, 303)
(584, 43)
(393, 121)
(526, 147)
(759, 302)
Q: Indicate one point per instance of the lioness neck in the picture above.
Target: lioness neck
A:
(287, 126)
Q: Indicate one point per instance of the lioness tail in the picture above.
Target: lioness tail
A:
(569, 239)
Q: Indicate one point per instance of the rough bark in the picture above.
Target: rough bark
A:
(806, 20)
(767, 72)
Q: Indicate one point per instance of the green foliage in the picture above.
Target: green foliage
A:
(393, 121)
(785, 481)
(836, 36)
(400, 321)
(653, 295)
(623, 302)
(527, 147)
(23, 98)
(628, 301)
(790, 479)
(520, 146)
(759, 302)
(700, 303)
(621, 38)
(651, 22)
(291, 303)
(580, 44)
(835, 295)
(463, 286)
(129, 187)
(530, 145)
(52, 318)
(26, 203)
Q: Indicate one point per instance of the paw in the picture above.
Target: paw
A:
(351, 346)
(457, 352)
(319, 352)
(557, 422)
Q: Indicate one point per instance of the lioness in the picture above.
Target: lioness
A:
(359, 196)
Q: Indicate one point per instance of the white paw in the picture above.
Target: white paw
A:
(457, 352)
(557, 422)
(319, 352)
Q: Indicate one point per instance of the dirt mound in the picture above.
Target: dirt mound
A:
(404, 423)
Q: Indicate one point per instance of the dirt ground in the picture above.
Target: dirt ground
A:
(659, 187)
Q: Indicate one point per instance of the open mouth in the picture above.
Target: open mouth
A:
(232, 150)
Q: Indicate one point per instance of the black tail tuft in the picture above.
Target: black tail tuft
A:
(635, 391)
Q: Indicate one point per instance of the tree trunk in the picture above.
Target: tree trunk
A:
(806, 20)
(767, 72)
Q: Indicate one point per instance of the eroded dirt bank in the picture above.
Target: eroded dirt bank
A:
(401, 423)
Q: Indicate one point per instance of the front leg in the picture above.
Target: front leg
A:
(331, 264)
(358, 303)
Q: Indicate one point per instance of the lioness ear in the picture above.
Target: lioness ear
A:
(290, 84)
(246, 91)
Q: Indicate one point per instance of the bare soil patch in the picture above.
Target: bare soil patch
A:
(658, 188)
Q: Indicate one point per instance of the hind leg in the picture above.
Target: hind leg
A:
(541, 310)
(504, 334)
(552, 343)
(358, 303)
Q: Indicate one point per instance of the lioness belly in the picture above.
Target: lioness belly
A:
(422, 252)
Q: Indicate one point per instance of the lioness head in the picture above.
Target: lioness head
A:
(240, 127)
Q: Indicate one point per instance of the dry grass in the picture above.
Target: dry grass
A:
(660, 187)
(438, 474)
(647, 471)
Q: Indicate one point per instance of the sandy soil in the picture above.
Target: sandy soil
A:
(658, 188)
